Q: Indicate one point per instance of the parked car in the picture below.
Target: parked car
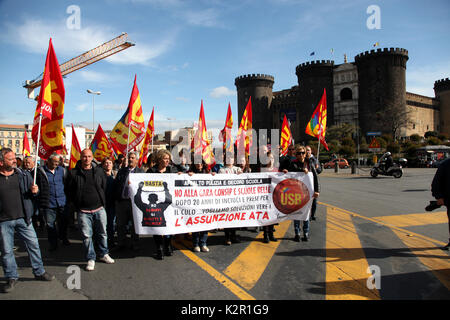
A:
(343, 164)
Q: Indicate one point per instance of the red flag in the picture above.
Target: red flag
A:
(26, 146)
(100, 146)
(225, 133)
(51, 104)
(148, 138)
(201, 144)
(244, 135)
(286, 136)
(132, 122)
(75, 150)
(316, 127)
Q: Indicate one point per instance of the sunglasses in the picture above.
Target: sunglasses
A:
(300, 152)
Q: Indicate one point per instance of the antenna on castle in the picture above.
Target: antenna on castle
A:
(345, 58)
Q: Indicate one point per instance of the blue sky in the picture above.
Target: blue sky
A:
(191, 50)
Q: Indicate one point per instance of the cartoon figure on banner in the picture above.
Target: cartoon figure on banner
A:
(153, 212)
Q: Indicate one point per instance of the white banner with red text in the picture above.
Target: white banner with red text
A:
(173, 203)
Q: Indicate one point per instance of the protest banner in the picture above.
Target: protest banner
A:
(166, 204)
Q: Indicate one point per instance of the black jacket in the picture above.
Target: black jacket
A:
(25, 183)
(121, 180)
(78, 179)
(440, 187)
(297, 166)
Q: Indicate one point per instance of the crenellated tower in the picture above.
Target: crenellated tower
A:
(259, 87)
(382, 82)
(442, 93)
(313, 77)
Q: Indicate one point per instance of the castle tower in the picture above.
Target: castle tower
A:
(313, 77)
(259, 87)
(382, 83)
(442, 93)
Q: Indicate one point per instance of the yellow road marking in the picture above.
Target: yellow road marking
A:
(385, 224)
(429, 255)
(346, 264)
(415, 219)
(248, 267)
(227, 283)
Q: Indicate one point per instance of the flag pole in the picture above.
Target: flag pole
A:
(37, 147)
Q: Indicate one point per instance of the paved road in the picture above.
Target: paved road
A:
(362, 222)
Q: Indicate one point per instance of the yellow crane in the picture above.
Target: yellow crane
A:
(101, 52)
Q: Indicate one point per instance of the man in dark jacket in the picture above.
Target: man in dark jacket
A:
(87, 188)
(124, 212)
(440, 189)
(51, 180)
(313, 162)
(16, 210)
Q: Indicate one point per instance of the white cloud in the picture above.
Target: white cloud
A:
(82, 106)
(182, 99)
(421, 80)
(93, 76)
(33, 35)
(204, 18)
(221, 92)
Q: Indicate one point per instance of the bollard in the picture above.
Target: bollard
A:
(353, 167)
(336, 167)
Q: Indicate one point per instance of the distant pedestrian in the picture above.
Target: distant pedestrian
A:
(440, 189)
(52, 180)
(16, 209)
(87, 187)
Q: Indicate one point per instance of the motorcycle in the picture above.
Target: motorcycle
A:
(379, 169)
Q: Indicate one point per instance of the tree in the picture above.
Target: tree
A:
(394, 117)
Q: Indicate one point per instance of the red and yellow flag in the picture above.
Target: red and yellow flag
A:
(286, 136)
(26, 150)
(244, 136)
(225, 133)
(75, 150)
(51, 104)
(132, 122)
(148, 138)
(316, 127)
(100, 146)
(201, 144)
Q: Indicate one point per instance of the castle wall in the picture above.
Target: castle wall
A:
(382, 83)
(259, 88)
(423, 115)
(442, 92)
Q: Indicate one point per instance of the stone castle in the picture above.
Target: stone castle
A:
(357, 93)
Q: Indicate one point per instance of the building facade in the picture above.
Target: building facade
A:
(369, 93)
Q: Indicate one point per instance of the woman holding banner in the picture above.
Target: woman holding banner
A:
(230, 168)
(163, 165)
(199, 238)
(299, 164)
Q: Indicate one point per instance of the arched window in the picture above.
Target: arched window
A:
(346, 94)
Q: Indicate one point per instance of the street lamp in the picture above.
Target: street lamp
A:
(93, 93)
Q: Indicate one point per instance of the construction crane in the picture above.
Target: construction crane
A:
(101, 52)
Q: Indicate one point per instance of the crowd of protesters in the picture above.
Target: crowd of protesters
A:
(97, 197)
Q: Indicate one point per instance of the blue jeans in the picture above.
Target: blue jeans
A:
(28, 235)
(94, 223)
(60, 216)
(297, 226)
(199, 238)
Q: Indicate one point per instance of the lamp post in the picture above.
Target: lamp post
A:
(93, 94)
